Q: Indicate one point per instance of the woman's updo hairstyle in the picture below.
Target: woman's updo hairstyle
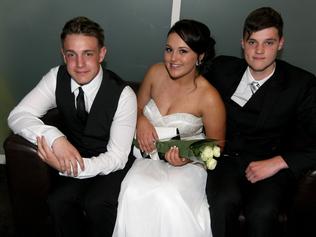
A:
(198, 37)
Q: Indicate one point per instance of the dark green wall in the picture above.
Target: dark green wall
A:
(135, 32)
(29, 40)
(225, 19)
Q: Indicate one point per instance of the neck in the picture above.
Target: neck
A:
(261, 74)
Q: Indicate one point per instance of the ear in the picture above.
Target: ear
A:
(242, 42)
(64, 56)
(201, 57)
(102, 54)
(281, 43)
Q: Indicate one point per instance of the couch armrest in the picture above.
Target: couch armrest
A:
(26, 171)
(306, 193)
(303, 211)
(29, 180)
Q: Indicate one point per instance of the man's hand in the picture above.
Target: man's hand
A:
(67, 155)
(46, 154)
(62, 151)
(259, 170)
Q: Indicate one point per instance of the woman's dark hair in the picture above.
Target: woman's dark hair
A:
(85, 26)
(198, 37)
(262, 18)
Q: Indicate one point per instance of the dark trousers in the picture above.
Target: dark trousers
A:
(86, 207)
(229, 192)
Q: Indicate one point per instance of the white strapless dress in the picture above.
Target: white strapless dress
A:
(161, 200)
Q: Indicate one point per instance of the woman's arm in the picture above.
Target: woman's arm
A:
(214, 115)
(145, 131)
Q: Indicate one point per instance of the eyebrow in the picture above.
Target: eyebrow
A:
(181, 47)
(269, 39)
(84, 51)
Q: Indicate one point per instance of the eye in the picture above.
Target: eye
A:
(89, 54)
(183, 51)
(168, 49)
(251, 42)
(70, 55)
(269, 43)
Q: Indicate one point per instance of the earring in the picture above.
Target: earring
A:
(197, 63)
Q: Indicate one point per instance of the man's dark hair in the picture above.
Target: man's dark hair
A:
(85, 26)
(262, 18)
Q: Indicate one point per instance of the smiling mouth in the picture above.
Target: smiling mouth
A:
(258, 58)
(82, 72)
(172, 65)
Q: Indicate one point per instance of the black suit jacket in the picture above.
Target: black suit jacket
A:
(280, 113)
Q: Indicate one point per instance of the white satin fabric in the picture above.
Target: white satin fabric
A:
(161, 200)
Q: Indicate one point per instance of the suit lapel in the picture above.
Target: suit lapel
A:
(235, 79)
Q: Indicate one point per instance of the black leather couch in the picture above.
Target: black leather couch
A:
(30, 179)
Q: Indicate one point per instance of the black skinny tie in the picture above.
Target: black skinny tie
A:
(81, 109)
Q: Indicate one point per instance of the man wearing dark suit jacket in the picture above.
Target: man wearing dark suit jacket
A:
(265, 99)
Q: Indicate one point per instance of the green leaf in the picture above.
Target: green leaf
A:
(190, 149)
(183, 145)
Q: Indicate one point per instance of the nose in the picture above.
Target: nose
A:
(260, 49)
(80, 61)
(173, 56)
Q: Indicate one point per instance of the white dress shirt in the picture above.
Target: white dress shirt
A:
(24, 120)
(243, 91)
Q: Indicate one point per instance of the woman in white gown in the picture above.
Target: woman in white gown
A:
(166, 197)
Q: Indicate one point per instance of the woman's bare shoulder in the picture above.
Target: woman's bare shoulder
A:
(208, 91)
(156, 68)
(206, 86)
(156, 73)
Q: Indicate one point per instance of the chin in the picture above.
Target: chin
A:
(83, 81)
(258, 67)
(174, 76)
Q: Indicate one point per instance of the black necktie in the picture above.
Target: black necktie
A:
(81, 109)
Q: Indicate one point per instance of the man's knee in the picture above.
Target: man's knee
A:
(262, 219)
(98, 208)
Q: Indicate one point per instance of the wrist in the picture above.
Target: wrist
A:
(280, 163)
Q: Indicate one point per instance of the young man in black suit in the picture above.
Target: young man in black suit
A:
(265, 99)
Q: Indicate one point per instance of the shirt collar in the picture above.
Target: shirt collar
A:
(251, 79)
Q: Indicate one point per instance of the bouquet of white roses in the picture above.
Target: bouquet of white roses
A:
(201, 151)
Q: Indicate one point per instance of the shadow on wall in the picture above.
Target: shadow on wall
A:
(6, 104)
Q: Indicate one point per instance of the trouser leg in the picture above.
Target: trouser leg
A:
(66, 208)
(224, 197)
(101, 202)
(263, 203)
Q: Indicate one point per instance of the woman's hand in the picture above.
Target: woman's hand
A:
(146, 134)
(173, 157)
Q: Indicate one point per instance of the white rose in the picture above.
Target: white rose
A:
(216, 151)
(207, 153)
(211, 164)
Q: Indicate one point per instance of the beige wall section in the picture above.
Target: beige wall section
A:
(6, 104)
(2, 159)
